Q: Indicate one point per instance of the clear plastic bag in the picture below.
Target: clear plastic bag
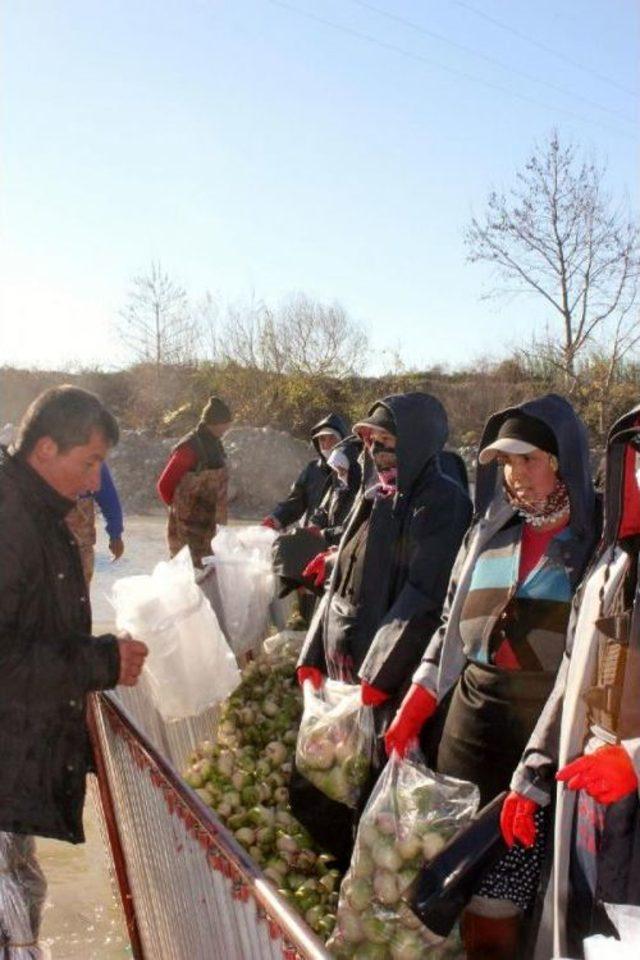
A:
(190, 666)
(410, 816)
(246, 583)
(22, 896)
(335, 740)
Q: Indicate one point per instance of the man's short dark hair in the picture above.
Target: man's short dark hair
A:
(68, 415)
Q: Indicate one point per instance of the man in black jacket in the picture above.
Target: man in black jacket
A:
(49, 661)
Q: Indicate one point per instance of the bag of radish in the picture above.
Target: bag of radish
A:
(410, 816)
(335, 740)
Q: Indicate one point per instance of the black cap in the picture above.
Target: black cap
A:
(521, 434)
(380, 418)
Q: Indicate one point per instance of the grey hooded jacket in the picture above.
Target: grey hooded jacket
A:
(444, 658)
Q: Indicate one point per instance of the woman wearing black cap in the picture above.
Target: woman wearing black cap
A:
(390, 573)
(503, 638)
(194, 483)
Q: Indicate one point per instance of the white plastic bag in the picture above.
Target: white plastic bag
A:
(410, 816)
(190, 666)
(246, 583)
(626, 920)
(335, 740)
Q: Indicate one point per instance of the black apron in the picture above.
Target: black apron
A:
(489, 722)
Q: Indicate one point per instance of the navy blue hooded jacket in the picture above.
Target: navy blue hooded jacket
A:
(412, 541)
(308, 490)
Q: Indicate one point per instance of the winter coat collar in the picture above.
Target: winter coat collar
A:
(32, 484)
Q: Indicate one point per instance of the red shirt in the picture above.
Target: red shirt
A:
(181, 461)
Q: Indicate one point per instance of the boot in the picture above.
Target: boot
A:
(490, 938)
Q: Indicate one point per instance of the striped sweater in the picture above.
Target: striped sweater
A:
(511, 623)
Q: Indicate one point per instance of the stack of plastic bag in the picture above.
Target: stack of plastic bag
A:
(190, 666)
(410, 816)
(246, 583)
(335, 740)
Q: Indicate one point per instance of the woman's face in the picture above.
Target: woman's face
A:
(530, 476)
(382, 447)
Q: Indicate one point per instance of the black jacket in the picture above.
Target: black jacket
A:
(411, 545)
(48, 660)
(207, 448)
(332, 513)
(307, 492)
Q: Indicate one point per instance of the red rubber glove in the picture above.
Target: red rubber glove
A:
(371, 696)
(310, 673)
(316, 570)
(516, 820)
(607, 774)
(414, 711)
(270, 522)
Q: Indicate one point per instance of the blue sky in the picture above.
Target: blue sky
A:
(259, 146)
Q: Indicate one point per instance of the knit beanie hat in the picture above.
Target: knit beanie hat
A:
(215, 411)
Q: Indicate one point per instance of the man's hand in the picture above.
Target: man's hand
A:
(133, 653)
(116, 546)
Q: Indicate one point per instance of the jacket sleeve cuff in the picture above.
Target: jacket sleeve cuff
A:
(101, 662)
(427, 676)
(521, 782)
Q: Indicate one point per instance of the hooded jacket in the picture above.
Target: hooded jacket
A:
(562, 730)
(444, 658)
(411, 543)
(49, 661)
(332, 513)
(308, 490)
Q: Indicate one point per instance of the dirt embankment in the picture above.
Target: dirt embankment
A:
(263, 463)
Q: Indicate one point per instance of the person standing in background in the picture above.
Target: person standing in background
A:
(309, 489)
(82, 521)
(194, 483)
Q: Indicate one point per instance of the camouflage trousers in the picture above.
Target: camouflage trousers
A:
(82, 523)
(199, 505)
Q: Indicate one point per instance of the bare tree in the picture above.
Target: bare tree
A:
(557, 234)
(155, 323)
(206, 320)
(301, 336)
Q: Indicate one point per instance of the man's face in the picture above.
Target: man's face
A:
(74, 471)
(326, 442)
